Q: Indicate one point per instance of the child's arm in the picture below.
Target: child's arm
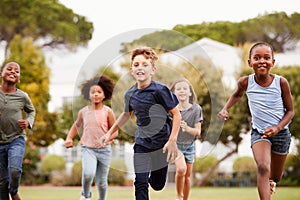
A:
(235, 97)
(171, 145)
(111, 121)
(74, 131)
(113, 131)
(196, 131)
(30, 114)
(289, 110)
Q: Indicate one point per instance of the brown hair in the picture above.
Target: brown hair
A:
(193, 97)
(147, 52)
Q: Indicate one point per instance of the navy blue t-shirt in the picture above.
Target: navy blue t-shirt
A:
(150, 106)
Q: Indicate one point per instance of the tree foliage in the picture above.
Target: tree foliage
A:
(277, 28)
(47, 22)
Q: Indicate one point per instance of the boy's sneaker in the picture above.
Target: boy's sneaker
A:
(15, 197)
(272, 186)
(82, 198)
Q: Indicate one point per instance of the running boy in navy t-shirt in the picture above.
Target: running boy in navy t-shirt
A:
(158, 120)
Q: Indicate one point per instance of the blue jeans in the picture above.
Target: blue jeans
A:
(95, 163)
(11, 158)
(149, 162)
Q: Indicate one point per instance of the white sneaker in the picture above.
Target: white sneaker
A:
(272, 186)
(82, 198)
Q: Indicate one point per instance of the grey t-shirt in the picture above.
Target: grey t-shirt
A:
(191, 116)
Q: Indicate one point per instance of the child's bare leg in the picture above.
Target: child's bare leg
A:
(180, 174)
(262, 155)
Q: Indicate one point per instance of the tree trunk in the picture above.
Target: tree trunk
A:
(209, 172)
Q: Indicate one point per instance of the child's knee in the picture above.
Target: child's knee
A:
(158, 185)
(180, 171)
(263, 169)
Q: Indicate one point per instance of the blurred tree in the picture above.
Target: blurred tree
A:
(277, 28)
(35, 81)
(47, 22)
(159, 40)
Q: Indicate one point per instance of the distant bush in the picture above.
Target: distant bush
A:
(76, 174)
(30, 172)
(244, 164)
(52, 163)
(291, 174)
(117, 172)
(202, 164)
(59, 178)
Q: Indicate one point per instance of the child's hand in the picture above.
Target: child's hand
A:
(183, 126)
(68, 143)
(103, 141)
(23, 123)
(171, 147)
(270, 132)
(223, 115)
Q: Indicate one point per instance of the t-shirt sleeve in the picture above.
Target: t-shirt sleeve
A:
(127, 96)
(199, 114)
(167, 98)
(29, 110)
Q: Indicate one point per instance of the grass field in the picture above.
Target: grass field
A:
(127, 193)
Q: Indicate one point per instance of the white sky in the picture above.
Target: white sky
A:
(114, 17)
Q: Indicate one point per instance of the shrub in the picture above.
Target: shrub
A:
(30, 174)
(76, 174)
(291, 174)
(59, 178)
(244, 164)
(202, 164)
(117, 172)
(52, 163)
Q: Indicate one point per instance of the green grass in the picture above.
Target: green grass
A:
(127, 193)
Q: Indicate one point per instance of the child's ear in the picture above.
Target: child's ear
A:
(153, 70)
(249, 63)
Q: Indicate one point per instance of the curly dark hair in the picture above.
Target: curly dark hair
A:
(104, 82)
(261, 44)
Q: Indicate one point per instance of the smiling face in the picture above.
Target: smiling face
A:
(142, 69)
(261, 59)
(96, 94)
(182, 91)
(11, 73)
